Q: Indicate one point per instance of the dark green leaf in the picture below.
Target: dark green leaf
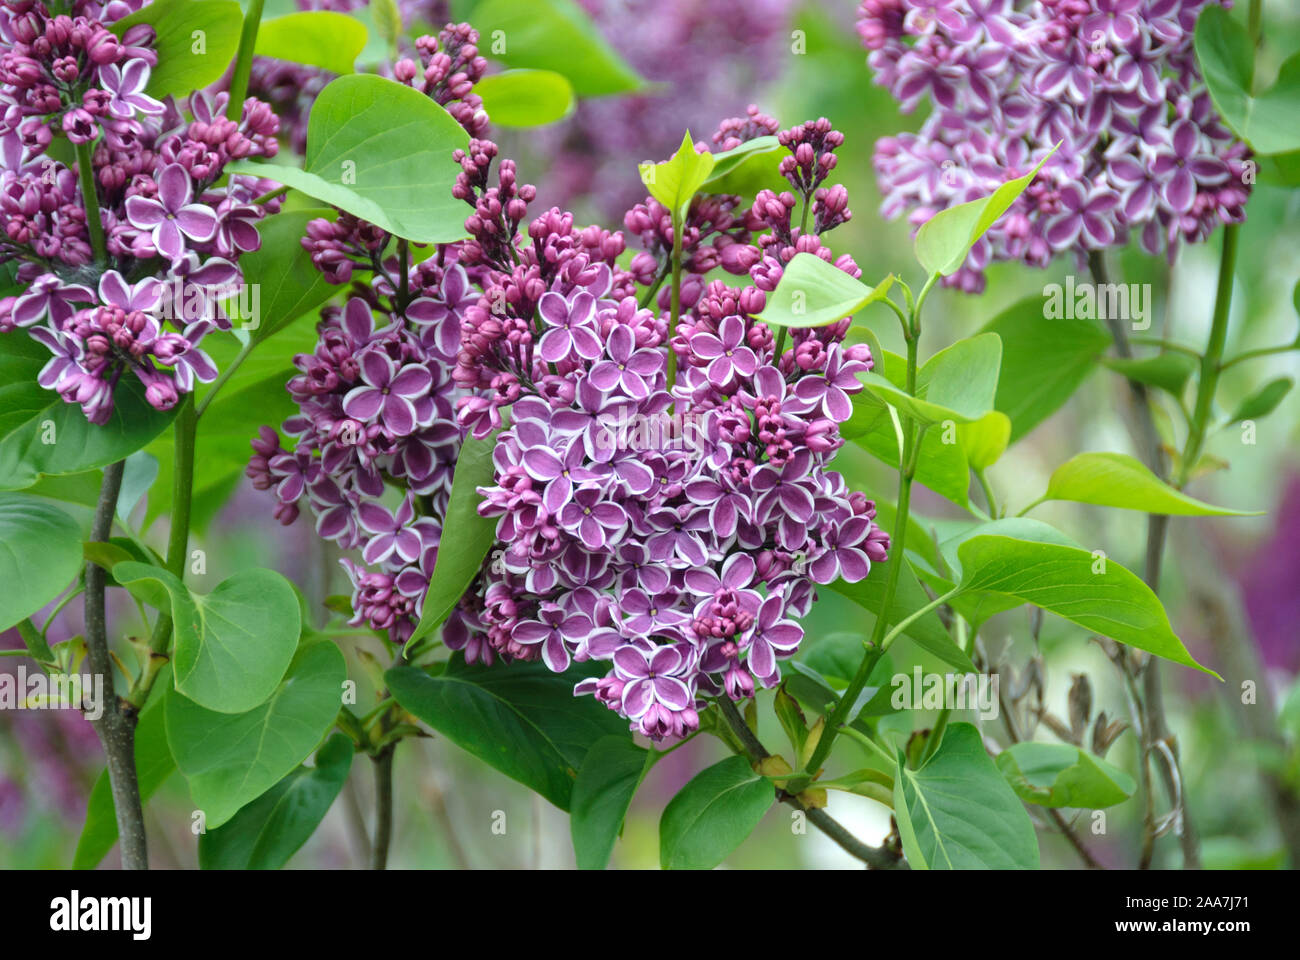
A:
(521, 719)
(611, 772)
(1264, 400)
(40, 554)
(1168, 371)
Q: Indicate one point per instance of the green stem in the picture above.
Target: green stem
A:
(244, 61)
(676, 304)
(988, 493)
(916, 615)
(90, 199)
(870, 744)
(1261, 352)
(1213, 357)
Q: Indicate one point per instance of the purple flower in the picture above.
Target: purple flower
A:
(126, 86)
(846, 553)
(549, 634)
(830, 392)
(172, 217)
(48, 296)
(628, 369)
(398, 397)
(593, 520)
(390, 534)
(774, 636)
(654, 677)
(572, 327)
(728, 355)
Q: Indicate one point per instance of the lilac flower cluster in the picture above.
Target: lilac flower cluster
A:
(166, 223)
(1116, 81)
(673, 532)
(377, 396)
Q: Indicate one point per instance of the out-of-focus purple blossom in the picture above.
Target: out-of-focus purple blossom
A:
(1115, 81)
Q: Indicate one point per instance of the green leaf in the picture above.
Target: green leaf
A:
(40, 435)
(1268, 121)
(813, 293)
(40, 554)
(1168, 371)
(184, 65)
(231, 759)
(281, 271)
(944, 240)
(461, 555)
(958, 813)
(153, 765)
(138, 474)
(318, 38)
(985, 440)
(675, 182)
(712, 815)
(1118, 480)
(1062, 775)
(1094, 592)
(264, 834)
(927, 631)
(1043, 362)
(387, 19)
(957, 383)
(382, 151)
(232, 645)
(520, 718)
(1264, 400)
(526, 98)
(554, 35)
(611, 772)
(746, 169)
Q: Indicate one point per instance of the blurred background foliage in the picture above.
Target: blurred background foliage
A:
(1232, 585)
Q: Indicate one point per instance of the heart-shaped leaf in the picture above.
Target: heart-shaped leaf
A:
(813, 293)
(1062, 775)
(264, 834)
(611, 772)
(382, 151)
(231, 759)
(520, 718)
(712, 815)
(232, 645)
(526, 98)
(40, 435)
(40, 555)
(318, 38)
(957, 812)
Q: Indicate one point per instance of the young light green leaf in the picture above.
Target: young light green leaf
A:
(813, 293)
(520, 718)
(231, 759)
(1043, 362)
(985, 440)
(957, 383)
(382, 151)
(746, 169)
(318, 38)
(40, 435)
(1062, 775)
(945, 239)
(554, 35)
(675, 182)
(460, 556)
(1118, 480)
(266, 833)
(526, 98)
(234, 644)
(611, 772)
(712, 815)
(1093, 591)
(1268, 121)
(1168, 371)
(957, 812)
(1264, 400)
(185, 64)
(41, 555)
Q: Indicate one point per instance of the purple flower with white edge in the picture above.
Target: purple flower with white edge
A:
(126, 86)
(398, 397)
(831, 390)
(594, 520)
(572, 327)
(172, 216)
(727, 353)
(627, 369)
(390, 533)
(549, 634)
(774, 637)
(48, 296)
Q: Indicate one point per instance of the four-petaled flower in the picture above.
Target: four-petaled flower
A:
(172, 217)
